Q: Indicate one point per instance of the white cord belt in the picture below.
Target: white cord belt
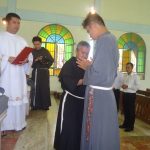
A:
(100, 87)
(35, 87)
(63, 104)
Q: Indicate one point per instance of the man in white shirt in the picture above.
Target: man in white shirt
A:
(130, 86)
(116, 87)
(13, 77)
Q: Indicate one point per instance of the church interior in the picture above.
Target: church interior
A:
(59, 24)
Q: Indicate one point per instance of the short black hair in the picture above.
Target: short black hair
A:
(93, 18)
(131, 64)
(83, 43)
(36, 38)
(10, 15)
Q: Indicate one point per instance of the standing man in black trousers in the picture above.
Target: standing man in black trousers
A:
(130, 86)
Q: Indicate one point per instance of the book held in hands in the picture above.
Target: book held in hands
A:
(23, 55)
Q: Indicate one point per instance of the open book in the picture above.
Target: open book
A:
(22, 55)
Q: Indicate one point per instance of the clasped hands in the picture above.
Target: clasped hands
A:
(83, 63)
(124, 86)
(39, 58)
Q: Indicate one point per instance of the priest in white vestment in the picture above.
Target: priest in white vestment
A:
(13, 77)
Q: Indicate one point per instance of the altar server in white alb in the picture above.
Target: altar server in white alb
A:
(13, 77)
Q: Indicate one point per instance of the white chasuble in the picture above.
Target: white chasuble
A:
(13, 80)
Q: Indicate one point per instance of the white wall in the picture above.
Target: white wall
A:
(29, 29)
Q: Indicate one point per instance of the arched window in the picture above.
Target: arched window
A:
(132, 49)
(59, 41)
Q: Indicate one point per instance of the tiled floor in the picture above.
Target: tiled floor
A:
(135, 143)
(39, 133)
(9, 140)
(139, 139)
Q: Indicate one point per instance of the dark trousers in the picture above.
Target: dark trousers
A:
(117, 97)
(129, 109)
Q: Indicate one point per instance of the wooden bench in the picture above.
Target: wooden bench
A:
(143, 106)
(142, 109)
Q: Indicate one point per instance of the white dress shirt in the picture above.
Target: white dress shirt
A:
(132, 81)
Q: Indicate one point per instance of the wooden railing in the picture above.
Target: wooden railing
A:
(143, 106)
(142, 109)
